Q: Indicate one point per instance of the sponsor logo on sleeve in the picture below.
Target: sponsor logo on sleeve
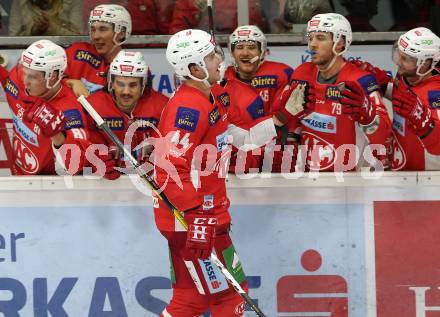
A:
(399, 124)
(73, 119)
(368, 83)
(89, 58)
(434, 99)
(187, 119)
(256, 108)
(222, 141)
(224, 99)
(320, 122)
(267, 81)
(214, 116)
(12, 89)
(332, 93)
(24, 131)
(91, 87)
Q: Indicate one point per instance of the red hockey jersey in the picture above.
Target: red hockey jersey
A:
(245, 110)
(84, 63)
(409, 152)
(191, 157)
(145, 113)
(269, 81)
(32, 151)
(327, 134)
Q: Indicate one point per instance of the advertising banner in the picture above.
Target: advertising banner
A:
(307, 251)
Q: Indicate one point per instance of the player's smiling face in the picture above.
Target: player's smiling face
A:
(212, 62)
(247, 57)
(126, 92)
(321, 45)
(101, 35)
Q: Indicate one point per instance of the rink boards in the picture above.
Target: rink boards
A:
(310, 247)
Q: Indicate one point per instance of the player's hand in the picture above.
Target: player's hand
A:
(50, 120)
(78, 87)
(356, 103)
(200, 236)
(110, 163)
(409, 106)
(296, 101)
(382, 77)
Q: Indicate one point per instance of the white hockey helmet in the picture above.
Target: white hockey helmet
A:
(249, 33)
(333, 23)
(114, 14)
(45, 56)
(422, 44)
(189, 47)
(128, 64)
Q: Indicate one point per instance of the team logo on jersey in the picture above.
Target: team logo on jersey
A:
(266, 81)
(187, 119)
(214, 116)
(208, 202)
(24, 131)
(12, 89)
(369, 83)
(145, 123)
(256, 108)
(224, 99)
(321, 155)
(114, 123)
(399, 124)
(24, 157)
(434, 99)
(332, 93)
(73, 119)
(320, 122)
(89, 58)
(399, 157)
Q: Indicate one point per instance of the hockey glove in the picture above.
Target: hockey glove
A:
(296, 101)
(110, 163)
(382, 77)
(50, 120)
(409, 106)
(200, 236)
(356, 103)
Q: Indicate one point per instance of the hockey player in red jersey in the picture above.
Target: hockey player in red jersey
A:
(348, 104)
(129, 100)
(190, 167)
(87, 63)
(46, 115)
(248, 47)
(416, 100)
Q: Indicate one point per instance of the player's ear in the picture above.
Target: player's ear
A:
(340, 45)
(194, 69)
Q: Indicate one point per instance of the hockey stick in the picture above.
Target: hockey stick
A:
(210, 19)
(156, 189)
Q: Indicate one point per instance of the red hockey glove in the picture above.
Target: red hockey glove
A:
(201, 233)
(356, 103)
(296, 100)
(50, 120)
(409, 106)
(382, 77)
(110, 163)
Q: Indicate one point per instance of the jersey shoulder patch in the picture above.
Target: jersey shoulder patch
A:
(187, 119)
